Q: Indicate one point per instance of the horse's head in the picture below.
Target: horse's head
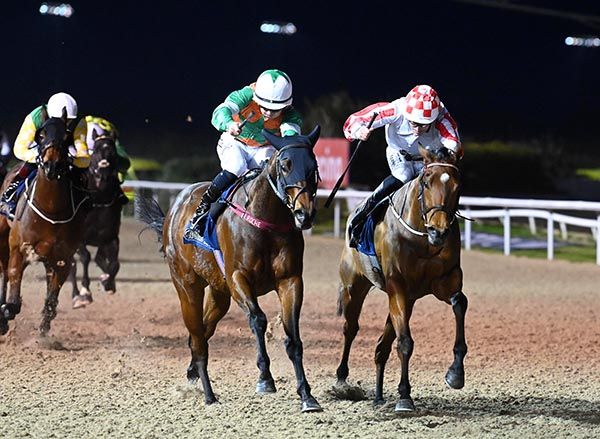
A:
(294, 168)
(439, 186)
(103, 160)
(51, 141)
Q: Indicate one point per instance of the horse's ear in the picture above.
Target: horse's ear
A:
(64, 115)
(425, 153)
(94, 134)
(314, 135)
(274, 140)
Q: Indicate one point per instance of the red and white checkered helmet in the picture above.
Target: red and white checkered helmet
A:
(422, 104)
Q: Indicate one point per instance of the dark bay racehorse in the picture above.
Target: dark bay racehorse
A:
(261, 253)
(48, 225)
(103, 222)
(418, 246)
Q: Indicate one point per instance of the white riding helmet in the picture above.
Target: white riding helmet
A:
(273, 90)
(421, 105)
(58, 101)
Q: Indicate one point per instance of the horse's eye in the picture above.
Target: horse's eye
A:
(286, 165)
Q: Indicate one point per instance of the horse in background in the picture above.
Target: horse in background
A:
(418, 245)
(260, 236)
(48, 225)
(103, 223)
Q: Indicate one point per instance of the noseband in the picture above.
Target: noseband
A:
(438, 207)
(280, 185)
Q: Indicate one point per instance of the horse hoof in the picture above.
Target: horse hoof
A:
(404, 405)
(265, 386)
(378, 402)
(211, 401)
(80, 301)
(110, 292)
(311, 405)
(455, 380)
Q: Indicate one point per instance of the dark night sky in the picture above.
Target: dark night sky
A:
(502, 74)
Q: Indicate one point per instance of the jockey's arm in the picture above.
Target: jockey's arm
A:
(24, 140)
(356, 124)
(81, 155)
(222, 116)
(291, 122)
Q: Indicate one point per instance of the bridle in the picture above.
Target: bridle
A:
(280, 185)
(450, 213)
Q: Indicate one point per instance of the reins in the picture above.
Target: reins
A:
(75, 209)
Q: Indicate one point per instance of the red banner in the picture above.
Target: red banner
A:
(332, 155)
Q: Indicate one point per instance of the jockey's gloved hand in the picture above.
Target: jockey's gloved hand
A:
(234, 128)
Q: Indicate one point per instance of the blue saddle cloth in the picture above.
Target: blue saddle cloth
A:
(208, 226)
(8, 209)
(366, 243)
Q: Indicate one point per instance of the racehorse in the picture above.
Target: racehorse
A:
(103, 223)
(48, 225)
(260, 236)
(418, 245)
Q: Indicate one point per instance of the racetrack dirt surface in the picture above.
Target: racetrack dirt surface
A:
(117, 368)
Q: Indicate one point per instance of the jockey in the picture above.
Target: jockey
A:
(267, 104)
(23, 150)
(102, 126)
(419, 118)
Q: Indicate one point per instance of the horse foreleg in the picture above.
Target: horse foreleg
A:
(400, 312)
(86, 257)
(291, 293)
(12, 306)
(455, 377)
(191, 298)
(107, 259)
(55, 277)
(246, 299)
(351, 300)
(382, 353)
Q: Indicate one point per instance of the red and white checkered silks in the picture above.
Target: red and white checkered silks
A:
(422, 104)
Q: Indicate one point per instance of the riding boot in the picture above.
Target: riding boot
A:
(386, 188)
(122, 197)
(222, 181)
(8, 200)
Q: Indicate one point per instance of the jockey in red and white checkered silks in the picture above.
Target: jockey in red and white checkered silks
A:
(419, 118)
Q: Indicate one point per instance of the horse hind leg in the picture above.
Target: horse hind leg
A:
(191, 298)
(86, 257)
(455, 377)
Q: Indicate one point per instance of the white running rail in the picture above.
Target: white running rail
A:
(504, 209)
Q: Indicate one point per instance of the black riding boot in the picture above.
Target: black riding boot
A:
(222, 181)
(8, 200)
(387, 187)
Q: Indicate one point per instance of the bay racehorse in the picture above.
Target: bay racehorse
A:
(48, 225)
(260, 236)
(418, 246)
(103, 223)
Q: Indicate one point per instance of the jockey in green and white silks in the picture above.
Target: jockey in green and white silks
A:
(265, 104)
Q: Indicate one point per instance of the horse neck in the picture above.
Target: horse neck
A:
(52, 196)
(104, 188)
(264, 202)
(408, 204)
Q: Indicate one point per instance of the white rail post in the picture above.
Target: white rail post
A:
(532, 228)
(336, 218)
(468, 230)
(506, 223)
(598, 241)
(550, 238)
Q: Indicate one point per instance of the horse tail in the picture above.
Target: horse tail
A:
(147, 210)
